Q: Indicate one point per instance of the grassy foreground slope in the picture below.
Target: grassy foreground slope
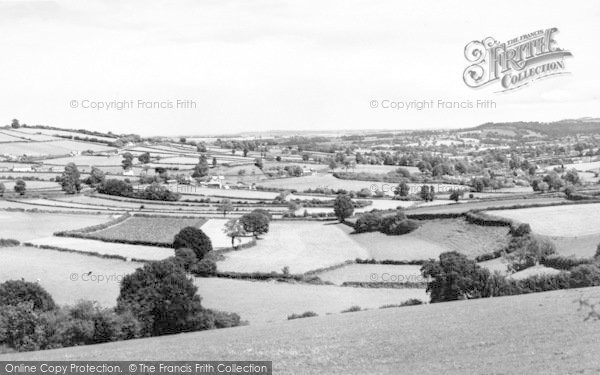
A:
(528, 334)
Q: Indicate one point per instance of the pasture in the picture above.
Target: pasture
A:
(61, 147)
(301, 246)
(54, 272)
(29, 226)
(139, 252)
(561, 221)
(148, 229)
(373, 273)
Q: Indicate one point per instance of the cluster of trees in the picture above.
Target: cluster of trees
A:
(254, 223)
(556, 182)
(391, 224)
(455, 277)
(19, 188)
(157, 299)
(155, 191)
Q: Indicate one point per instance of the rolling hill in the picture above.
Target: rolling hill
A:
(535, 333)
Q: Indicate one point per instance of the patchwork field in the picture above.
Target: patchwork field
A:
(373, 273)
(54, 271)
(138, 252)
(561, 221)
(301, 246)
(149, 229)
(29, 226)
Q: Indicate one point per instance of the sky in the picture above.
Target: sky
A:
(243, 65)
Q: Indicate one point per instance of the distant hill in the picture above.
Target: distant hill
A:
(560, 128)
(540, 333)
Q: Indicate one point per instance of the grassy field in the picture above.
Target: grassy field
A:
(540, 333)
(87, 160)
(29, 226)
(61, 147)
(139, 252)
(534, 271)
(481, 205)
(432, 238)
(150, 229)
(373, 272)
(54, 271)
(580, 246)
(301, 246)
(561, 221)
(31, 185)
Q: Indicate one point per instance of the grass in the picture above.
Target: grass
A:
(49, 148)
(148, 229)
(581, 246)
(433, 238)
(30, 226)
(302, 246)
(560, 221)
(108, 248)
(467, 206)
(373, 273)
(53, 271)
(527, 334)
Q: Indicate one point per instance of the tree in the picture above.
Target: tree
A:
(162, 298)
(113, 186)
(15, 124)
(2, 189)
(195, 239)
(454, 277)
(259, 163)
(201, 169)
(402, 189)
(144, 158)
(245, 152)
(225, 206)
(97, 176)
(14, 292)
(256, 223)
(201, 147)
(343, 207)
(69, 181)
(127, 161)
(572, 177)
(332, 164)
(305, 156)
(20, 187)
(456, 195)
(182, 140)
(234, 229)
(424, 193)
(214, 162)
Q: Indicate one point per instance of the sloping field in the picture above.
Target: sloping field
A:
(148, 229)
(29, 226)
(63, 133)
(373, 273)
(87, 160)
(50, 148)
(193, 192)
(432, 238)
(301, 246)
(138, 252)
(561, 221)
(580, 246)
(529, 334)
(467, 206)
(54, 271)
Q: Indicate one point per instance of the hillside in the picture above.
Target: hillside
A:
(537, 333)
(554, 129)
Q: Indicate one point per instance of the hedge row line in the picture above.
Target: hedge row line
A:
(263, 276)
(89, 253)
(385, 284)
(391, 262)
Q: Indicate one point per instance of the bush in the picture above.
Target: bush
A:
(352, 309)
(14, 292)
(194, 239)
(8, 242)
(527, 251)
(186, 258)
(520, 231)
(306, 314)
(204, 268)
(20, 327)
(402, 227)
(367, 222)
(564, 263)
(584, 275)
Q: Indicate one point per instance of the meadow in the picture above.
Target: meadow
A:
(301, 246)
(373, 273)
(61, 147)
(559, 221)
(29, 226)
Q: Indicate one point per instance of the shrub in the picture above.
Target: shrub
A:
(352, 309)
(401, 227)
(520, 231)
(306, 314)
(367, 222)
(14, 292)
(584, 275)
(564, 263)
(195, 239)
(8, 242)
(527, 251)
(186, 258)
(20, 327)
(204, 268)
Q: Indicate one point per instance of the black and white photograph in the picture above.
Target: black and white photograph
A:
(259, 187)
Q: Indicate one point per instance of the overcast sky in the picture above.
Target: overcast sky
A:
(284, 65)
